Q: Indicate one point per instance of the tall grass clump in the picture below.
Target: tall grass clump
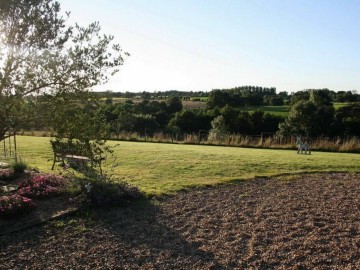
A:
(161, 137)
(191, 139)
(351, 145)
(19, 166)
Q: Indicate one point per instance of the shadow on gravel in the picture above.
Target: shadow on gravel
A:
(151, 243)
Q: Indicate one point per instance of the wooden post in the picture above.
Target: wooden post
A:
(9, 144)
(15, 150)
(4, 147)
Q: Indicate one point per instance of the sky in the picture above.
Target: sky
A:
(200, 45)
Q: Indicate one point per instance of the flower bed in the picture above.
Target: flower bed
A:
(7, 175)
(14, 204)
(42, 186)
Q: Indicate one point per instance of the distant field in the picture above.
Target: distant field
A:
(200, 98)
(338, 105)
(191, 104)
(200, 103)
(166, 168)
(277, 110)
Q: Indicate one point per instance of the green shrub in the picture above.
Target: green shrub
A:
(102, 191)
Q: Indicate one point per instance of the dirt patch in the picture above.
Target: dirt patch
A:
(305, 222)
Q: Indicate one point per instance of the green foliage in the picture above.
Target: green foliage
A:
(19, 166)
(174, 105)
(276, 101)
(347, 96)
(102, 190)
(299, 96)
(76, 117)
(218, 98)
(321, 97)
(40, 53)
(300, 120)
(347, 118)
(219, 129)
(308, 119)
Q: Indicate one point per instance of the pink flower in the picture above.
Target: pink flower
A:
(11, 205)
(41, 186)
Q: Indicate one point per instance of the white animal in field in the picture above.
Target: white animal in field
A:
(302, 147)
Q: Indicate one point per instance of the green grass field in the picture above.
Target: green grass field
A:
(165, 168)
(338, 105)
(276, 110)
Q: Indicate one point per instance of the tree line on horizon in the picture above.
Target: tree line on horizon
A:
(258, 95)
(311, 113)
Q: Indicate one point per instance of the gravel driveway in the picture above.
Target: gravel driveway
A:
(305, 222)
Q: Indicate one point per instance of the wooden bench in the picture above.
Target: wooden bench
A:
(76, 153)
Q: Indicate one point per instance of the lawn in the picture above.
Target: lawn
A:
(165, 168)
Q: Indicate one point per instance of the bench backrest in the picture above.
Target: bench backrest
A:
(72, 148)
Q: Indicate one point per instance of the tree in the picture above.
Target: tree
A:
(218, 98)
(174, 105)
(40, 54)
(218, 130)
(301, 119)
(185, 120)
(306, 118)
(230, 115)
(83, 123)
(276, 101)
(298, 96)
(321, 97)
(347, 120)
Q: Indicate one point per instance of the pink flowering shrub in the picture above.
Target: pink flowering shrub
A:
(14, 204)
(41, 186)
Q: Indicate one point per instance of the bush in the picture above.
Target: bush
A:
(19, 166)
(14, 204)
(104, 192)
(42, 186)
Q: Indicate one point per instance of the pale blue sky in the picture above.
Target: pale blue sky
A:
(206, 44)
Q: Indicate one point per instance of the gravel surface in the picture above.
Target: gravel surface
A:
(305, 222)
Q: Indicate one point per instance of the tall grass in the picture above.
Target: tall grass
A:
(349, 144)
(338, 144)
